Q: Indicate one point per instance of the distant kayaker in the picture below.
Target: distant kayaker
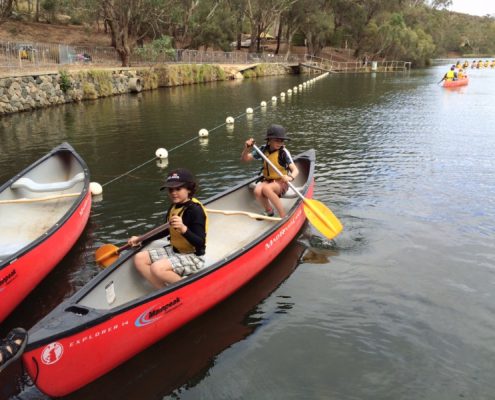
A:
(451, 75)
(272, 186)
(188, 225)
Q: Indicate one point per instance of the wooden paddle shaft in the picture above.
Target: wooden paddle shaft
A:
(246, 213)
(36, 199)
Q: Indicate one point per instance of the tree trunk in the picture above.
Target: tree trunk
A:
(5, 9)
(279, 34)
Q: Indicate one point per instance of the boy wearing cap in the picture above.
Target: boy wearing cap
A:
(188, 225)
(272, 185)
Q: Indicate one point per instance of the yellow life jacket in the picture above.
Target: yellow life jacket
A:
(268, 171)
(177, 239)
(450, 75)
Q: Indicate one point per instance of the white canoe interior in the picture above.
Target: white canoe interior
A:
(35, 202)
(227, 234)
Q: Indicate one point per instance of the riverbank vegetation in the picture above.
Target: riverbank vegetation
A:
(408, 30)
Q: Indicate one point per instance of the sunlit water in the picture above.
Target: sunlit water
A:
(402, 306)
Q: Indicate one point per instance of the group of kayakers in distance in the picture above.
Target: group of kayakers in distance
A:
(479, 64)
(457, 76)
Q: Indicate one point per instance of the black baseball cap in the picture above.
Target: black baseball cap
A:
(178, 177)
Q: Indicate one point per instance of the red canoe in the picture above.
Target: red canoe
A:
(43, 211)
(458, 82)
(117, 314)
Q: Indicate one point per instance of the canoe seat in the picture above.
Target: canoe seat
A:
(29, 184)
(290, 194)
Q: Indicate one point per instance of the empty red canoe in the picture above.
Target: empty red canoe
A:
(43, 211)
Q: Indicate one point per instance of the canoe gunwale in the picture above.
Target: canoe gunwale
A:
(93, 316)
(59, 224)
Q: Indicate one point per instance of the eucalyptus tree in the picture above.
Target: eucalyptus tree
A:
(262, 15)
(388, 36)
(132, 20)
(5, 9)
(214, 25)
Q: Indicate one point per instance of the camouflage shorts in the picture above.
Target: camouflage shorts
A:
(182, 264)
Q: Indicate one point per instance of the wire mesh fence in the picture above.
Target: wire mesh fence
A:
(25, 56)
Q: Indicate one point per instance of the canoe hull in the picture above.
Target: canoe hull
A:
(19, 278)
(85, 356)
(25, 268)
(76, 343)
(457, 83)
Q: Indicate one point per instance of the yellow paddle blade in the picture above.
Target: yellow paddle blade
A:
(322, 218)
(106, 255)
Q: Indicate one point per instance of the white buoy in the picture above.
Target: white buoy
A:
(161, 153)
(274, 98)
(300, 86)
(249, 110)
(203, 132)
(289, 92)
(229, 120)
(95, 188)
(162, 163)
(263, 104)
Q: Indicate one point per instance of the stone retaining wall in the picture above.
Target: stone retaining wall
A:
(29, 92)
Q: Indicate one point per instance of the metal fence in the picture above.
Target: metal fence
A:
(21, 55)
(355, 66)
(28, 55)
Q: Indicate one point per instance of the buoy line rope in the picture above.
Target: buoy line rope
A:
(172, 149)
(215, 128)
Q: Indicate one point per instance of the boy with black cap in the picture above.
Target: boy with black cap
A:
(188, 226)
(272, 185)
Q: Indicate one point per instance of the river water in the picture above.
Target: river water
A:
(401, 306)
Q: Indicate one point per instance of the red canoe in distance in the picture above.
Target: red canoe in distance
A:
(43, 211)
(459, 82)
(118, 314)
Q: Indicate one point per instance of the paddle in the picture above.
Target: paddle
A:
(246, 213)
(36, 199)
(441, 80)
(321, 217)
(108, 253)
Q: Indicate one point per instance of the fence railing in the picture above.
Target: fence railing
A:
(24, 56)
(355, 66)
(21, 55)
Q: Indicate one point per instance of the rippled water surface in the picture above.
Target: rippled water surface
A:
(401, 306)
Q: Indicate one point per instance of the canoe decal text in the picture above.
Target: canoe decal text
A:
(154, 313)
(52, 353)
(5, 280)
(83, 208)
(100, 332)
(281, 233)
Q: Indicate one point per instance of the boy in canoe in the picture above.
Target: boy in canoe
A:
(272, 186)
(188, 224)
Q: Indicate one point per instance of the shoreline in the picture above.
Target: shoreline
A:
(36, 89)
